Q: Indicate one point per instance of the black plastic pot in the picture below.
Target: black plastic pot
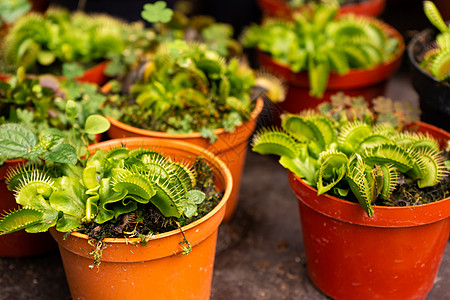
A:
(434, 95)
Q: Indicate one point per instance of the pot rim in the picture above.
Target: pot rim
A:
(368, 7)
(384, 216)
(217, 163)
(161, 134)
(414, 41)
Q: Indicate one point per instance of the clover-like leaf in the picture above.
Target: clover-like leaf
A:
(156, 12)
(72, 70)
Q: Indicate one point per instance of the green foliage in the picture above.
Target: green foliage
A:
(317, 42)
(188, 88)
(343, 109)
(19, 219)
(353, 155)
(156, 12)
(42, 43)
(42, 103)
(10, 10)
(437, 59)
(113, 184)
(17, 141)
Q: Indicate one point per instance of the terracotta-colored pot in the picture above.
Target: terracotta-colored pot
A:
(20, 243)
(281, 9)
(94, 74)
(369, 82)
(395, 254)
(231, 147)
(157, 270)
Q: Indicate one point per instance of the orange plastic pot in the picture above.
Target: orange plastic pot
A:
(281, 9)
(94, 74)
(157, 270)
(369, 82)
(20, 243)
(395, 254)
(231, 147)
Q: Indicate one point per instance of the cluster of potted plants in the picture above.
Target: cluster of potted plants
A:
(44, 43)
(160, 199)
(318, 53)
(179, 112)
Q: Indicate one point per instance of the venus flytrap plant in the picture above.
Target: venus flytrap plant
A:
(357, 159)
(437, 59)
(42, 43)
(319, 43)
(115, 193)
(187, 87)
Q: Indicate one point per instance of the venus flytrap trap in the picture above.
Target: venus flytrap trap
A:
(357, 159)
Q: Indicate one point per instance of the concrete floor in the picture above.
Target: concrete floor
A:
(260, 254)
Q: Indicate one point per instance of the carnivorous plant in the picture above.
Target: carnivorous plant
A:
(319, 43)
(113, 193)
(355, 158)
(186, 86)
(44, 42)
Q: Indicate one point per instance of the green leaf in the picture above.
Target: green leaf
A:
(276, 142)
(156, 12)
(68, 197)
(96, 124)
(209, 134)
(115, 66)
(19, 219)
(305, 169)
(67, 223)
(189, 209)
(16, 140)
(331, 171)
(11, 10)
(107, 198)
(232, 121)
(72, 70)
(49, 220)
(62, 153)
(46, 58)
(195, 196)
